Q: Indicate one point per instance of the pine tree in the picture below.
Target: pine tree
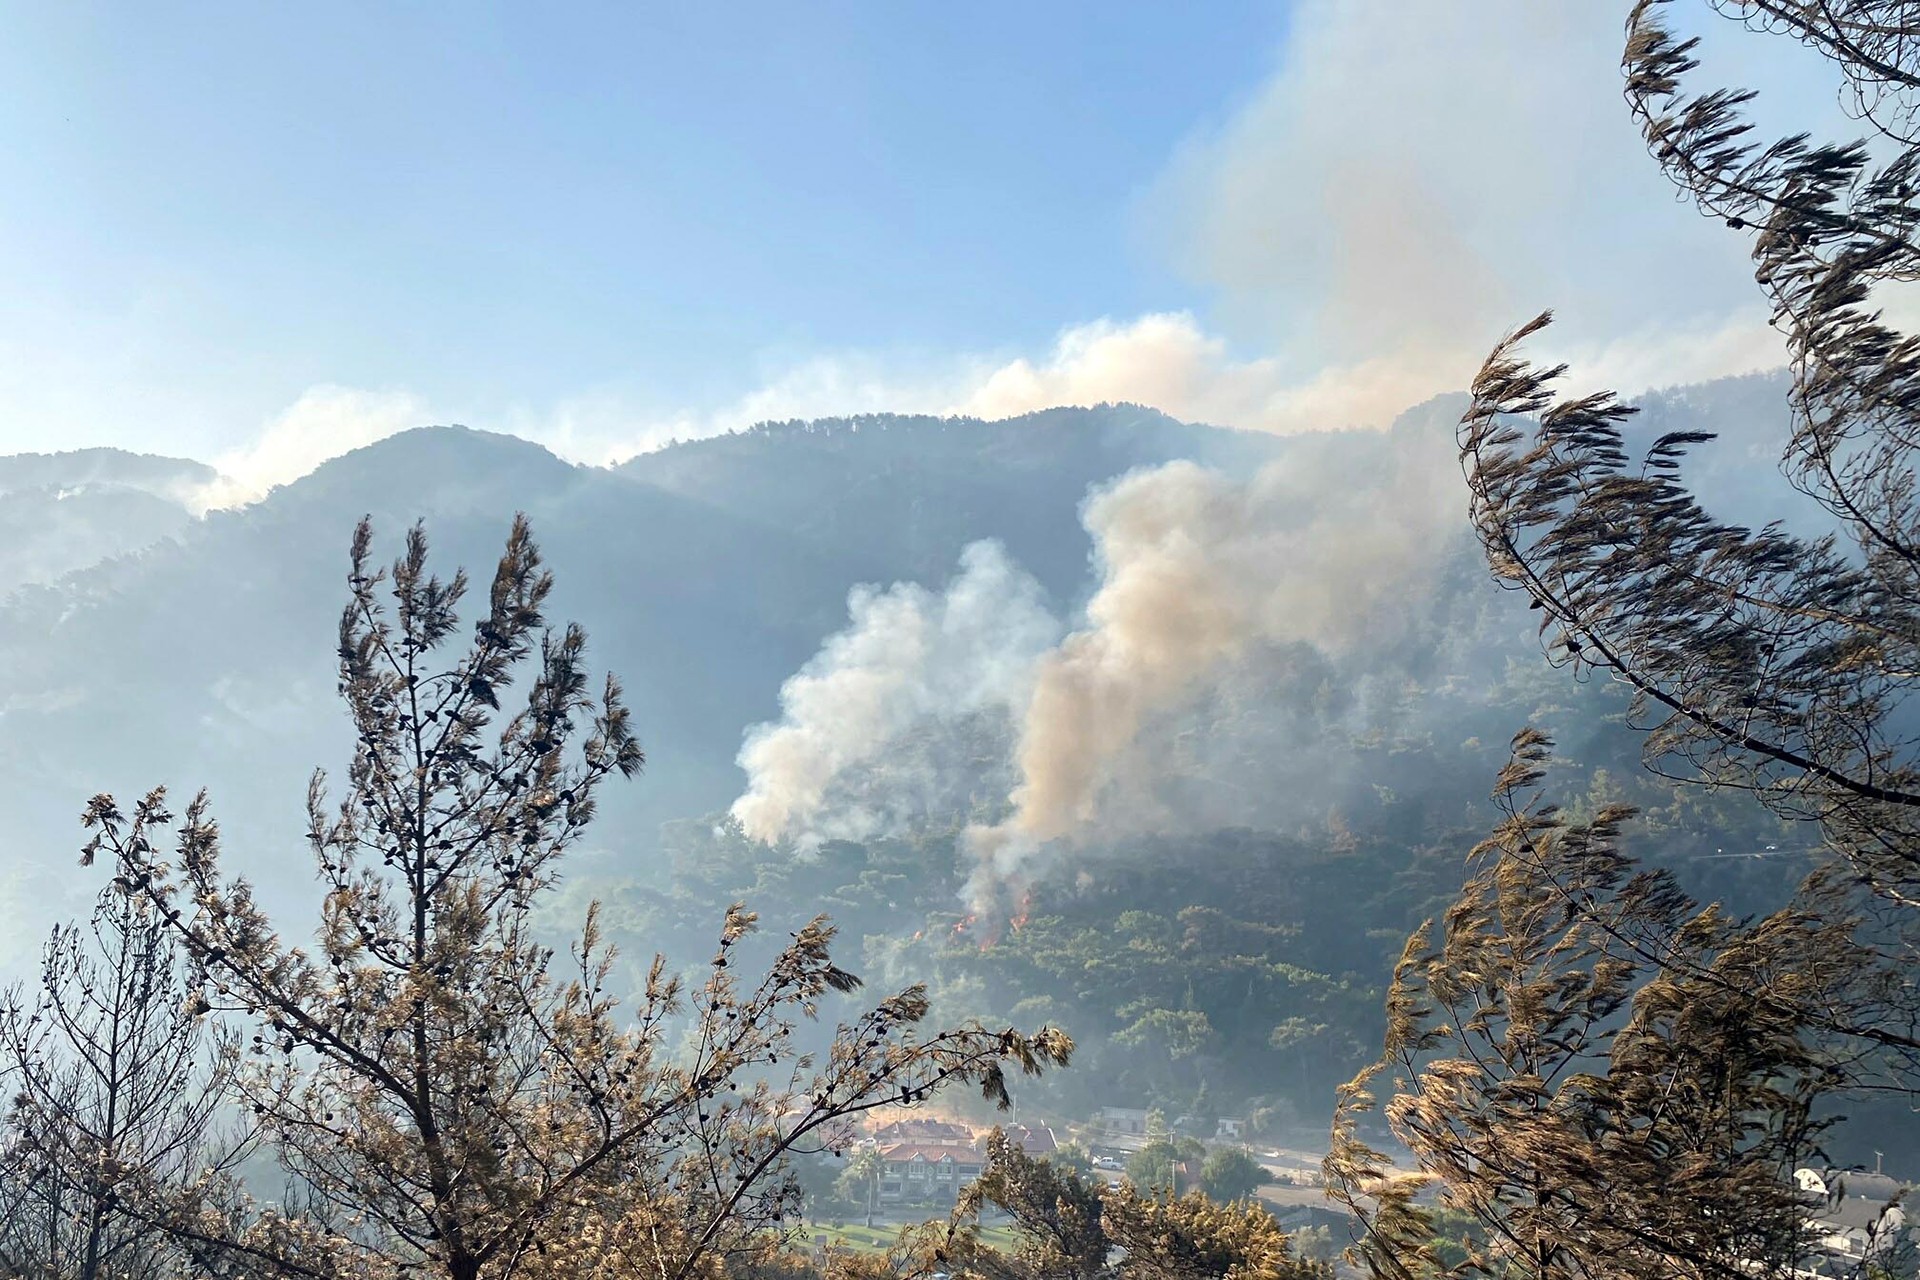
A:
(1607, 1079)
(116, 1084)
(457, 1098)
(1758, 658)
(1755, 658)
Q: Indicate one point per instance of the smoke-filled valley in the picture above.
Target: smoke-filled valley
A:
(1161, 733)
(1273, 640)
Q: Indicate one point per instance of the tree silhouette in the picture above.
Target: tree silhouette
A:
(1155, 1166)
(1605, 1078)
(1230, 1173)
(456, 1098)
(115, 1087)
(860, 1181)
(1755, 658)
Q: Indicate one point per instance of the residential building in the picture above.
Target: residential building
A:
(1860, 1215)
(1034, 1139)
(926, 1171)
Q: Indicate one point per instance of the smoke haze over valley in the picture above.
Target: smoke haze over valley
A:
(997, 642)
(1046, 633)
(959, 683)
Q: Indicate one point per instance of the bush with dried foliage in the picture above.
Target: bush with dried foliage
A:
(1756, 658)
(452, 1097)
(1759, 659)
(115, 1087)
(1070, 1228)
(1607, 1078)
(1601, 1077)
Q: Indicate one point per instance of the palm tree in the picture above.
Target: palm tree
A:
(862, 1177)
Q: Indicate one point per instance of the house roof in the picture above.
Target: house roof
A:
(1035, 1140)
(931, 1152)
(1853, 1183)
(1861, 1213)
(918, 1130)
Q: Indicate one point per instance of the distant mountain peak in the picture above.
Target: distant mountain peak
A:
(65, 512)
(446, 468)
(165, 477)
(449, 443)
(1124, 415)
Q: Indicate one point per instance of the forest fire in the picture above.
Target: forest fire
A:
(989, 931)
(988, 927)
(1220, 585)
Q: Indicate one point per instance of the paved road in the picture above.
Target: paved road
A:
(1289, 1159)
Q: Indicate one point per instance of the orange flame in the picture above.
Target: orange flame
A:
(1019, 920)
(990, 930)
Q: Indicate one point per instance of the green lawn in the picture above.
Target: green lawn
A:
(858, 1236)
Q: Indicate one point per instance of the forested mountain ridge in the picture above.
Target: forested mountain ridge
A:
(936, 484)
(1341, 785)
(61, 512)
(701, 592)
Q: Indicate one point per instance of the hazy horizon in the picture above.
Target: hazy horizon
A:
(1037, 506)
(1122, 205)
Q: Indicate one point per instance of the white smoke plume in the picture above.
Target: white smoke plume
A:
(908, 659)
(1200, 573)
(1197, 569)
(323, 423)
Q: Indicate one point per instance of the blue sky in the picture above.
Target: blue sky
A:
(498, 203)
(261, 233)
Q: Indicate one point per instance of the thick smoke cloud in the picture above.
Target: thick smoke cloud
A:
(1413, 180)
(1202, 577)
(1357, 261)
(909, 661)
(1198, 569)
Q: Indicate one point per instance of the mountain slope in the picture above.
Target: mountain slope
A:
(935, 484)
(705, 574)
(61, 512)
